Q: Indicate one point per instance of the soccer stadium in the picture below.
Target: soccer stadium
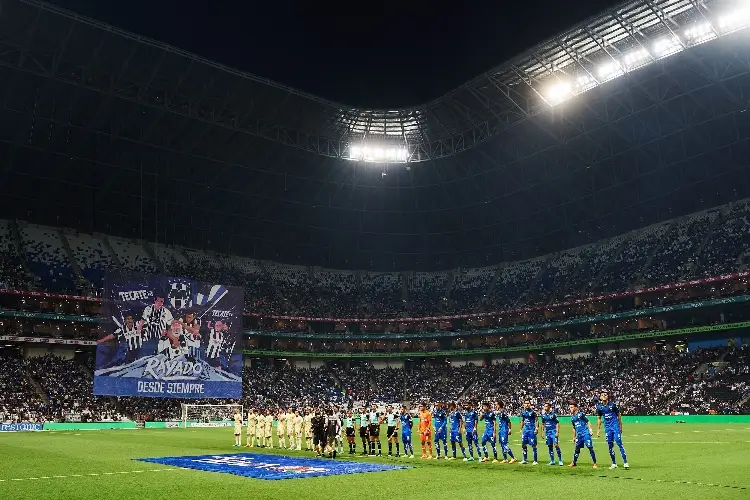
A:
(537, 283)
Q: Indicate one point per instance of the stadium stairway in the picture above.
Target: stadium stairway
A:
(152, 255)
(36, 385)
(115, 259)
(71, 257)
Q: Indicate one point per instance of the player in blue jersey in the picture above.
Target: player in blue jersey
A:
(529, 431)
(552, 433)
(609, 412)
(471, 421)
(581, 433)
(406, 425)
(440, 419)
(489, 432)
(457, 427)
(503, 432)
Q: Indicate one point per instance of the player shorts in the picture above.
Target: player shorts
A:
(237, 430)
(586, 441)
(455, 437)
(551, 440)
(502, 438)
(318, 439)
(391, 432)
(426, 435)
(406, 437)
(528, 438)
(374, 430)
(613, 435)
(488, 438)
(471, 437)
(350, 432)
(363, 432)
(441, 435)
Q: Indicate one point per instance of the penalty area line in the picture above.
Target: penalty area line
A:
(667, 481)
(91, 474)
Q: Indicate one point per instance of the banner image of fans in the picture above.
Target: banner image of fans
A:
(168, 337)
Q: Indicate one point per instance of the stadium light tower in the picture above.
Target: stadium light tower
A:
(702, 27)
(378, 153)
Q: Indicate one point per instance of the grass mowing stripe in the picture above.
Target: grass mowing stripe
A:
(85, 475)
(696, 483)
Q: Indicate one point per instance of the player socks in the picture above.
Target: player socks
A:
(612, 451)
(559, 454)
(535, 455)
(471, 450)
(445, 448)
(593, 455)
(576, 454)
(398, 448)
(390, 447)
(380, 448)
(453, 447)
(622, 452)
(525, 453)
(551, 454)
(494, 450)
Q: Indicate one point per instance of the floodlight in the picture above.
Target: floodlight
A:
(610, 70)
(736, 19)
(700, 32)
(558, 92)
(667, 46)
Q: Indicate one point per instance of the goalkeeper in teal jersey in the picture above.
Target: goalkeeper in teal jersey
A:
(552, 433)
(609, 412)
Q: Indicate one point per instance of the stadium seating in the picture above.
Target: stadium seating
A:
(699, 245)
(47, 258)
(646, 382)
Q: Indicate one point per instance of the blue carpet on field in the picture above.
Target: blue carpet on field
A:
(271, 467)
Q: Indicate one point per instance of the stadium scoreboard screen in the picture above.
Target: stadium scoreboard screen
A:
(169, 337)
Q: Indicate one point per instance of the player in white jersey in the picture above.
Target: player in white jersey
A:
(307, 429)
(281, 428)
(290, 428)
(215, 341)
(252, 422)
(191, 326)
(237, 428)
(299, 423)
(156, 318)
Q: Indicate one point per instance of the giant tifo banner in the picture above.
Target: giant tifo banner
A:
(168, 337)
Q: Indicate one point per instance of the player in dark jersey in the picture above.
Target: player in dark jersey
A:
(551, 433)
(581, 433)
(457, 428)
(471, 421)
(529, 430)
(609, 412)
(364, 429)
(440, 418)
(374, 431)
(350, 438)
(406, 428)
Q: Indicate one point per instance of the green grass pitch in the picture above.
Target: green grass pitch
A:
(667, 461)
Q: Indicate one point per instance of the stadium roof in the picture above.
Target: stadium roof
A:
(604, 128)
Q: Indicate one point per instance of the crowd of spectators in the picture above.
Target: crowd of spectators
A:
(699, 245)
(646, 382)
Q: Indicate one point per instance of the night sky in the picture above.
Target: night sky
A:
(364, 54)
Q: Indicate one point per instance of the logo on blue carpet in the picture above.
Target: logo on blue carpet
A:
(272, 467)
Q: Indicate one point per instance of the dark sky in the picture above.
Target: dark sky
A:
(365, 54)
